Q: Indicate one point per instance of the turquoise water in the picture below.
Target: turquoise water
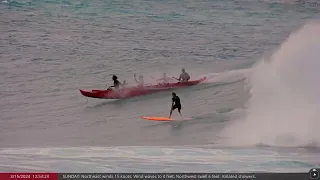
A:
(50, 49)
(157, 159)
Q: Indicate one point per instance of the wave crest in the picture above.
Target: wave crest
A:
(284, 109)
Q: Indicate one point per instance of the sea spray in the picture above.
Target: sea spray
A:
(284, 108)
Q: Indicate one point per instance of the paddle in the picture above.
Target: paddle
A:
(123, 84)
(176, 78)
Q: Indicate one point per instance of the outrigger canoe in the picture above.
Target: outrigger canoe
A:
(128, 92)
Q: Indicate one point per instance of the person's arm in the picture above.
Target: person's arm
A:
(177, 78)
(114, 85)
(180, 77)
(110, 87)
(124, 83)
(135, 78)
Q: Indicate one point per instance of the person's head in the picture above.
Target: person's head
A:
(140, 77)
(183, 70)
(173, 94)
(114, 77)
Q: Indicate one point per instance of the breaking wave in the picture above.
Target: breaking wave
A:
(284, 108)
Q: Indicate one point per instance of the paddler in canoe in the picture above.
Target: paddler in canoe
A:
(184, 76)
(116, 83)
(140, 81)
(165, 79)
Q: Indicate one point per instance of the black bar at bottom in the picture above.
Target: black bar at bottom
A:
(183, 176)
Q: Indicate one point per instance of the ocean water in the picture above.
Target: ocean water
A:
(258, 110)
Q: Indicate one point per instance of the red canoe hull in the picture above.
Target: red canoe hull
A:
(137, 91)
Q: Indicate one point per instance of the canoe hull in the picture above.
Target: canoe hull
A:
(136, 91)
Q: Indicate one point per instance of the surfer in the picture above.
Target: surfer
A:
(116, 82)
(184, 76)
(175, 104)
(140, 82)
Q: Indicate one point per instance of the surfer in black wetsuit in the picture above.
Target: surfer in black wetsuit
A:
(175, 104)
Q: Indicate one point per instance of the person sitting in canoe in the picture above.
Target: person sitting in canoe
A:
(184, 76)
(165, 79)
(140, 81)
(116, 82)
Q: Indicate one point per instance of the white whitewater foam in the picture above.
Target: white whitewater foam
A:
(284, 108)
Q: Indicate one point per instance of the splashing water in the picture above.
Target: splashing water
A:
(284, 109)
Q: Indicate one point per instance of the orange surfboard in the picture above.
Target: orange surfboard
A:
(164, 118)
(156, 118)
